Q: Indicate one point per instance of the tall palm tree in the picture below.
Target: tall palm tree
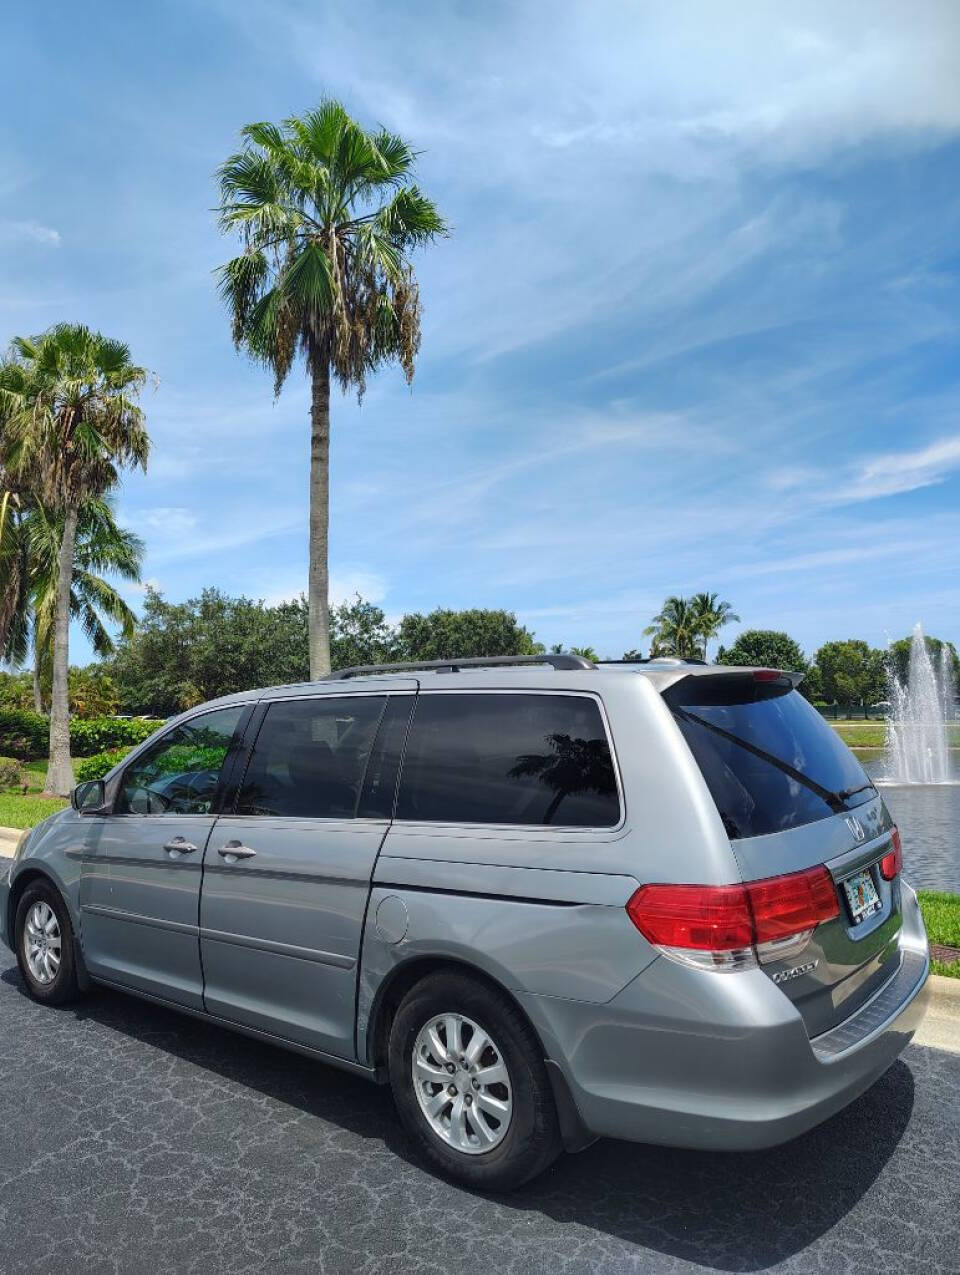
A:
(70, 421)
(674, 630)
(710, 615)
(14, 569)
(101, 546)
(328, 215)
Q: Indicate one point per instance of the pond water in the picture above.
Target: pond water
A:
(928, 816)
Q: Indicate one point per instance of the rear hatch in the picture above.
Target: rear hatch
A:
(792, 796)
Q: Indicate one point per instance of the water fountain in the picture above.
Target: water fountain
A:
(917, 750)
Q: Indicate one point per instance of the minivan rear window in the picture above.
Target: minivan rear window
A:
(508, 759)
(769, 759)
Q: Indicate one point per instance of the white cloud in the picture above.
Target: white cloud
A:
(345, 584)
(140, 587)
(171, 521)
(896, 472)
(30, 230)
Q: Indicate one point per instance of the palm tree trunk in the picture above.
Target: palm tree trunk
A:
(60, 769)
(37, 691)
(319, 518)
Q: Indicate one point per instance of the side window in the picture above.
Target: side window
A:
(380, 781)
(310, 757)
(179, 774)
(509, 759)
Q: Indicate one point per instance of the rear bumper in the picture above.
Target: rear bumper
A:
(723, 1061)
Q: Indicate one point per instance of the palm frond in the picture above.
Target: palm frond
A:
(328, 215)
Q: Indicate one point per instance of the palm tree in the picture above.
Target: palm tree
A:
(328, 215)
(710, 615)
(101, 546)
(674, 630)
(14, 588)
(573, 765)
(70, 421)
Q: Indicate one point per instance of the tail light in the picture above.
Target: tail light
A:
(728, 927)
(891, 865)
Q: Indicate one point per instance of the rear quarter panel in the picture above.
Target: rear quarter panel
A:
(539, 910)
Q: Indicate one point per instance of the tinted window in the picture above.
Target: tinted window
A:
(380, 781)
(179, 774)
(516, 759)
(770, 760)
(310, 756)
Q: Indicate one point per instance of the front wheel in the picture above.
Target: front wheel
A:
(45, 945)
(469, 1083)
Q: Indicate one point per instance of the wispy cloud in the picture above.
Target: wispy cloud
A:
(32, 231)
(896, 472)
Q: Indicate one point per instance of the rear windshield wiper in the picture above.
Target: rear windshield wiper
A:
(835, 800)
(852, 792)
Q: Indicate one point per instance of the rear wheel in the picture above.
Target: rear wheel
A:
(45, 945)
(469, 1083)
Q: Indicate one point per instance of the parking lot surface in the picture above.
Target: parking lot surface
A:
(136, 1139)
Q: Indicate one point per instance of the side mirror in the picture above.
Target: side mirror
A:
(89, 798)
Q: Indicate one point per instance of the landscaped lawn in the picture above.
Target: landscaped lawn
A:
(941, 915)
(861, 734)
(874, 734)
(19, 811)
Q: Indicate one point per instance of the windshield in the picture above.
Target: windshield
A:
(770, 760)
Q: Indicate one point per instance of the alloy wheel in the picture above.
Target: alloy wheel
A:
(41, 943)
(462, 1083)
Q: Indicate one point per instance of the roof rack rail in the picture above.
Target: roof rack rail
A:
(658, 659)
(563, 661)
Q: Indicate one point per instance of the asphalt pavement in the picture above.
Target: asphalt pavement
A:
(135, 1139)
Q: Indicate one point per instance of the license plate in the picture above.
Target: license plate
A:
(862, 897)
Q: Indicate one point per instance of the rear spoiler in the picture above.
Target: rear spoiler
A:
(733, 671)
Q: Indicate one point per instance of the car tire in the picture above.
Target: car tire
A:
(474, 1096)
(44, 941)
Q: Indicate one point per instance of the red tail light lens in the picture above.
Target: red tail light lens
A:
(729, 918)
(711, 918)
(891, 865)
(787, 905)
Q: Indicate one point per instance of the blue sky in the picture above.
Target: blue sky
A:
(697, 325)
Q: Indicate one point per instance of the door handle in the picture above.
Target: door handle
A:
(234, 850)
(180, 845)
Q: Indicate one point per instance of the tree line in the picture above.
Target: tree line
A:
(179, 654)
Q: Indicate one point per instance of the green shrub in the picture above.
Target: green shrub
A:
(92, 735)
(23, 735)
(11, 773)
(96, 767)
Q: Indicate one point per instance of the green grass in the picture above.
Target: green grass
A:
(941, 915)
(945, 970)
(861, 734)
(18, 811)
(23, 810)
(874, 734)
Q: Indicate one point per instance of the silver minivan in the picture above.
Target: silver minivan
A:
(545, 900)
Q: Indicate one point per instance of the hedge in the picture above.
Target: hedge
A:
(26, 735)
(96, 767)
(23, 734)
(11, 774)
(91, 735)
